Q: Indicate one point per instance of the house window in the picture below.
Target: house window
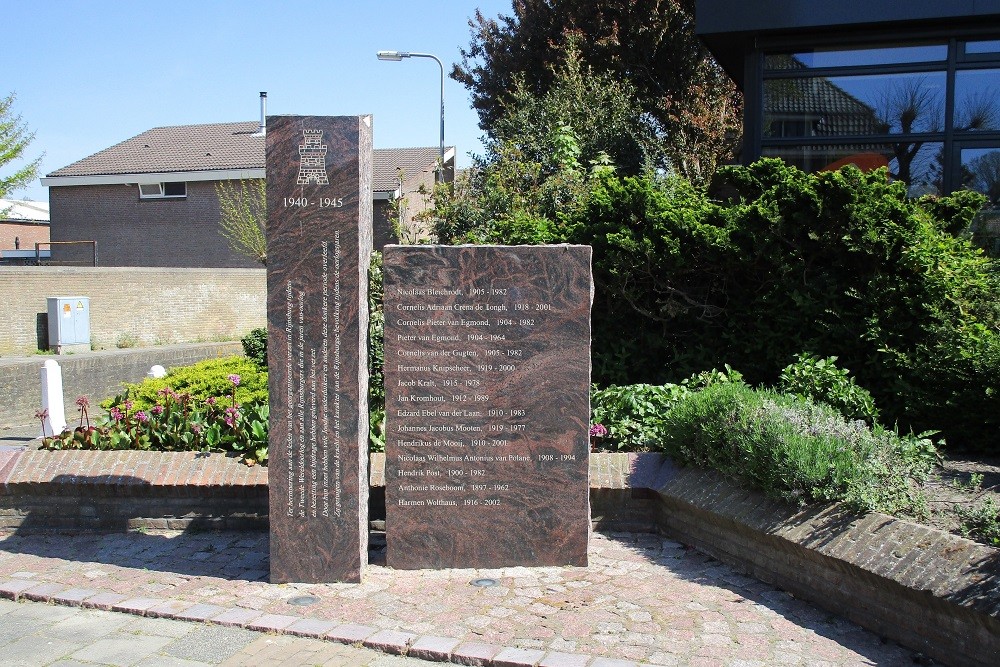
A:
(927, 111)
(170, 190)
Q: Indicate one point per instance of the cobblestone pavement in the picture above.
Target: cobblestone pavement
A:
(643, 600)
(33, 634)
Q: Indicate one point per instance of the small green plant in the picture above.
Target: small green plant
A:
(981, 521)
(632, 415)
(822, 380)
(255, 346)
(126, 340)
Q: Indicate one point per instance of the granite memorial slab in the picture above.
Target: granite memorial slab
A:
(319, 231)
(487, 371)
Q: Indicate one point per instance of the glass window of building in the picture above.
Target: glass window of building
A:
(927, 112)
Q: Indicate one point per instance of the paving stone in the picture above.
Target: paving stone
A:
(390, 641)
(474, 653)
(104, 601)
(42, 592)
(33, 650)
(557, 659)
(85, 626)
(239, 617)
(518, 657)
(13, 588)
(122, 651)
(136, 605)
(158, 627)
(271, 622)
(210, 644)
(351, 634)
(432, 648)
(199, 612)
(169, 661)
(309, 627)
(73, 596)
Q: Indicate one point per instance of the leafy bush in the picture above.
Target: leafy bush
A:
(255, 346)
(840, 263)
(200, 381)
(633, 415)
(821, 380)
(797, 450)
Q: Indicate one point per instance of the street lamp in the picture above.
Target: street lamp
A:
(396, 56)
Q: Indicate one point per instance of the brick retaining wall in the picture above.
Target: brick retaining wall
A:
(927, 589)
(133, 305)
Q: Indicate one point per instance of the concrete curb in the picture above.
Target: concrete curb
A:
(426, 647)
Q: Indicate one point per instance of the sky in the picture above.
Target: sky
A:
(89, 74)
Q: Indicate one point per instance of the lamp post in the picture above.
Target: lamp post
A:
(396, 56)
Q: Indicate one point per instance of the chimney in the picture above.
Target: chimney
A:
(262, 130)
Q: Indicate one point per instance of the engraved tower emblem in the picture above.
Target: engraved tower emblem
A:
(312, 159)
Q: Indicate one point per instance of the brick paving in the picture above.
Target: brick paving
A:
(644, 599)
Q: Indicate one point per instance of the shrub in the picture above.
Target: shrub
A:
(839, 263)
(200, 381)
(822, 380)
(255, 346)
(797, 450)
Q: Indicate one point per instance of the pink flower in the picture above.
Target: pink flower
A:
(196, 428)
(41, 414)
(232, 414)
(157, 409)
(83, 402)
(598, 431)
(210, 400)
(116, 414)
(142, 416)
(235, 379)
(128, 405)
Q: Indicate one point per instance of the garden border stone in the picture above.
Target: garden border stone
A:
(929, 590)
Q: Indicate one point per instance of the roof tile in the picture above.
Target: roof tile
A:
(217, 146)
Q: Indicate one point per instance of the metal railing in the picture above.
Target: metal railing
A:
(52, 261)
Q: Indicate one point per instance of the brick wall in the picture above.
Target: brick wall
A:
(28, 233)
(141, 232)
(137, 306)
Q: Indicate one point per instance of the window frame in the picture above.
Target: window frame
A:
(161, 192)
(756, 141)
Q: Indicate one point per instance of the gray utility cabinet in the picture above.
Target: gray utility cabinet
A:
(69, 324)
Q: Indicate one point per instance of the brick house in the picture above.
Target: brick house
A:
(151, 200)
(22, 225)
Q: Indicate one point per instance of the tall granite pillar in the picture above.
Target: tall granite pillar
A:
(319, 240)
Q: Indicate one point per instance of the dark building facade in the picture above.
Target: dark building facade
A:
(913, 86)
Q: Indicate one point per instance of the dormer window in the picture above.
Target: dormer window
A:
(171, 190)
